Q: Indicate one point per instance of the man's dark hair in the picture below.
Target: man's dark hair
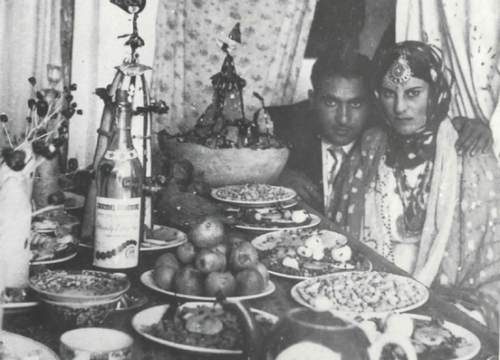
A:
(348, 66)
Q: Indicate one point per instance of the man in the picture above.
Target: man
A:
(323, 131)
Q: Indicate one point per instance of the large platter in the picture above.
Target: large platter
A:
(20, 347)
(56, 259)
(178, 238)
(151, 316)
(321, 293)
(292, 239)
(315, 220)
(147, 279)
(466, 352)
(286, 195)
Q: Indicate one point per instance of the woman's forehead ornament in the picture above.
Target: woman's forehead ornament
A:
(399, 72)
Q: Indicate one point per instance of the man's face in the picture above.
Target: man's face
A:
(341, 108)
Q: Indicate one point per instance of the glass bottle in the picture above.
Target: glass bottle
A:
(119, 190)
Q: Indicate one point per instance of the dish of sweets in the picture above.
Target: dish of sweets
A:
(269, 219)
(253, 194)
(301, 254)
(432, 338)
(356, 292)
(199, 327)
(51, 239)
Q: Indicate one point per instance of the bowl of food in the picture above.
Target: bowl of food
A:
(231, 166)
(72, 315)
(79, 286)
(198, 327)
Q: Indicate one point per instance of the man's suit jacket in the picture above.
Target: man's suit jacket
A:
(295, 124)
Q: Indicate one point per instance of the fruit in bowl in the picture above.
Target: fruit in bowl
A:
(231, 166)
(209, 261)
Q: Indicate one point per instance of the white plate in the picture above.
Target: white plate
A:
(421, 289)
(55, 261)
(147, 279)
(182, 238)
(464, 353)
(20, 305)
(151, 316)
(369, 267)
(289, 194)
(22, 347)
(282, 205)
(315, 220)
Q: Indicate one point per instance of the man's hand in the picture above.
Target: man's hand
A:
(304, 187)
(474, 136)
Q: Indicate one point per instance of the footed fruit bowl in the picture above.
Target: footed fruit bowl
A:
(70, 315)
(79, 286)
(232, 166)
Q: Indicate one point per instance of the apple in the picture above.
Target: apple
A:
(342, 253)
(299, 216)
(313, 242)
(304, 251)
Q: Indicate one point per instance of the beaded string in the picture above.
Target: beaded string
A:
(414, 199)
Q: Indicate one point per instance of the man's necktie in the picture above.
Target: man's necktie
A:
(338, 155)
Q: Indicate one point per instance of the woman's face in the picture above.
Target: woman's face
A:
(405, 105)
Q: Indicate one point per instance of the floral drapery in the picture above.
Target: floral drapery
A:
(29, 39)
(469, 35)
(274, 37)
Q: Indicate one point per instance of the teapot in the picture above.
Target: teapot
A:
(308, 334)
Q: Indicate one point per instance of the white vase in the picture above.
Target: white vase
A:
(15, 221)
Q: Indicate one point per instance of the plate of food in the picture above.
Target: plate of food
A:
(432, 338)
(158, 239)
(253, 194)
(52, 237)
(361, 292)
(281, 205)
(305, 253)
(272, 219)
(197, 327)
(19, 299)
(17, 347)
(148, 279)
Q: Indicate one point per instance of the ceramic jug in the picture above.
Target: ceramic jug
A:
(307, 334)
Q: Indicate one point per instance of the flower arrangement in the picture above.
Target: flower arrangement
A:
(46, 129)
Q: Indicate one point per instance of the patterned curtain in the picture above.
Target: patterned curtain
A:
(274, 37)
(29, 39)
(469, 35)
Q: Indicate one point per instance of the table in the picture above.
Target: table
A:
(32, 324)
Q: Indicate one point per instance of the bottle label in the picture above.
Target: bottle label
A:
(117, 233)
(120, 155)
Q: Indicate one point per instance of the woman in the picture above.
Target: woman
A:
(409, 195)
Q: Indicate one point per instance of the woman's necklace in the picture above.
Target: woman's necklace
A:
(414, 199)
